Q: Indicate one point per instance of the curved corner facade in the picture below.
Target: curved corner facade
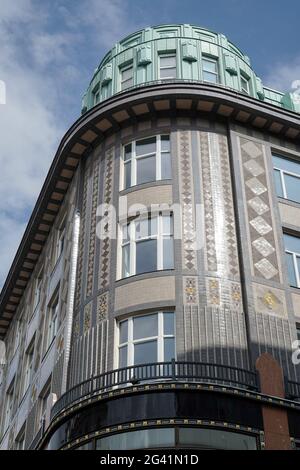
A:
(178, 52)
(156, 290)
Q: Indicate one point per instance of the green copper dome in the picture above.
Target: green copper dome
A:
(178, 52)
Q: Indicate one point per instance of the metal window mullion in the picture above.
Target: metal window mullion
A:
(158, 158)
(283, 184)
(133, 164)
(132, 250)
(159, 243)
(160, 338)
(296, 269)
(130, 347)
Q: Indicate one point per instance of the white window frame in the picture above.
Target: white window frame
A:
(37, 290)
(245, 80)
(166, 67)
(215, 62)
(296, 269)
(160, 337)
(96, 97)
(52, 323)
(60, 242)
(132, 242)
(285, 172)
(29, 356)
(122, 81)
(133, 160)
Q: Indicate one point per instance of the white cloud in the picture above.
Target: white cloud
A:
(40, 65)
(282, 75)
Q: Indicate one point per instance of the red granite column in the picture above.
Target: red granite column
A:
(276, 427)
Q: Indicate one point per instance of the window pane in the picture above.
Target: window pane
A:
(278, 185)
(145, 326)
(216, 439)
(126, 261)
(127, 152)
(146, 256)
(168, 323)
(145, 170)
(145, 352)
(167, 224)
(168, 253)
(168, 73)
(127, 84)
(291, 270)
(143, 439)
(210, 77)
(127, 175)
(146, 146)
(209, 66)
(125, 233)
(123, 331)
(292, 243)
(286, 164)
(168, 61)
(166, 170)
(292, 184)
(126, 74)
(169, 349)
(123, 357)
(145, 228)
(165, 143)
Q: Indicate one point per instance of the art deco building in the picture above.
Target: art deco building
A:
(121, 334)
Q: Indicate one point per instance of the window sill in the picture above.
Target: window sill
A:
(134, 277)
(150, 184)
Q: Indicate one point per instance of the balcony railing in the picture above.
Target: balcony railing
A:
(185, 371)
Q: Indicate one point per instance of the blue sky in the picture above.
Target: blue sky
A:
(49, 50)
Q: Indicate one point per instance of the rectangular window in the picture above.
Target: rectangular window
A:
(59, 243)
(17, 336)
(167, 66)
(147, 160)
(96, 97)
(146, 339)
(28, 367)
(52, 324)
(210, 70)
(37, 291)
(244, 85)
(126, 77)
(8, 407)
(292, 252)
(147, 245)
(287, 177)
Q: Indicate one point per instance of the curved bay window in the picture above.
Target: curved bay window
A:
(146, 339)
(146, 160)
(147, 245)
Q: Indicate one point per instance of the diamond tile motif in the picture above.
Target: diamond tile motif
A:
(258, 205)
(263, 246)
(253, 167)
(256, 186)
(260, 225)
(251, 149)
(266, 268)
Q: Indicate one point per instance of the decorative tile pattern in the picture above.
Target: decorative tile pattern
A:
(186, 196)
(102, 307)
(105, 244)
(264, 257)
(213, 291)
(219, 219)
(81, 241)
(92, 237)
(87, 317)
(269, 300)
(190, 289)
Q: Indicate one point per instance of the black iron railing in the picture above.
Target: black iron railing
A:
(174, 370)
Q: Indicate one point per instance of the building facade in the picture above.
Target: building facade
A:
(154, 299)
